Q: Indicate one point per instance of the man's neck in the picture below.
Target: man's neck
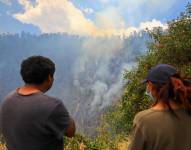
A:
(29, 89)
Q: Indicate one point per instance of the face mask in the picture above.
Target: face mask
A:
(148, 93)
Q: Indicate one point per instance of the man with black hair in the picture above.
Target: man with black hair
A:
(31, 120)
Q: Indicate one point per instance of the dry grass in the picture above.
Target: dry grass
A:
(121, 146)
(3, 147)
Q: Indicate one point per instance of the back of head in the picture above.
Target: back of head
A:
(170, 86)
(36, 69)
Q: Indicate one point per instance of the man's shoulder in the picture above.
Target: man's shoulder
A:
(10, 94)
(40, 98)
(49, 101)
(51, 98)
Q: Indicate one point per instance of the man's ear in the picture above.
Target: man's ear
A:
(50, 78)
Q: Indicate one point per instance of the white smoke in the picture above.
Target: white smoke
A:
(99, 88)
(94, 66)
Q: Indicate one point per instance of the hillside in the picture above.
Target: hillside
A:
(172, 46)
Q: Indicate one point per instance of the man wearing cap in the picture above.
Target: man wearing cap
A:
(167, 124)
(31, 120)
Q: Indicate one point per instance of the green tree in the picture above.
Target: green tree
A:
(172, 46)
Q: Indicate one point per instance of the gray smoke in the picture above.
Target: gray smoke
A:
(89, 70)
(93, 65)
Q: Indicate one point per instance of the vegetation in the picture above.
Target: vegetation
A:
(172, 46)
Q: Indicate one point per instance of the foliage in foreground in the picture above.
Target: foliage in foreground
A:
(172, 46)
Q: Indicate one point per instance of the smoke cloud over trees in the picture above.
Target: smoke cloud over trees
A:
(89, 70)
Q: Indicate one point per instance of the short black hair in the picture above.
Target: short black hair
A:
(36, 69)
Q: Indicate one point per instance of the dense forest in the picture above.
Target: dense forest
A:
(172, 46)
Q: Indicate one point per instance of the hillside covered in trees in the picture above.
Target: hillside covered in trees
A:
(172, 46)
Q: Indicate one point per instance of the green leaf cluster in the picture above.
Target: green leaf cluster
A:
(171, 46)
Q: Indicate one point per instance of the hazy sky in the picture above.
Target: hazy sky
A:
(86, 17)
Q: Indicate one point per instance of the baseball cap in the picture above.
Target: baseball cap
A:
(161, 73)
